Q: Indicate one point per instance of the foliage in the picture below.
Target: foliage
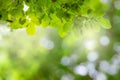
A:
(65, 15)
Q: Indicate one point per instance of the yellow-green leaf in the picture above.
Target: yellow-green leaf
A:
(105, 23)
(31, 30)
(45, 21)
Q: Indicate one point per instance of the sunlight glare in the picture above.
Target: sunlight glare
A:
(92, 56)
(28, 18)
(67, 77)
(81, 70)
(2, 57)
(117, 4)
(65, 61)
(105, 1)
(46, 43)
(101, 76)
(104, 40)
(25, 8)
(89, 45)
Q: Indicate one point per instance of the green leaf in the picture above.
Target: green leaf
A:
(31, 30)
(105, 23)
(45, 21)
(22, 20)
(65, 28)
(55, 22)
(52, 13)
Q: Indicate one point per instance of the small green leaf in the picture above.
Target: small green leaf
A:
(22, 20)
(55, 22)
(61, 32)
(31, 30)
(105, 23)
(45, 21)
(65, 29)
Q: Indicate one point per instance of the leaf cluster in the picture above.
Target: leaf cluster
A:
(60, 14)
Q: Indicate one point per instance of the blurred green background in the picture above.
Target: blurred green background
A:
(46, 56)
